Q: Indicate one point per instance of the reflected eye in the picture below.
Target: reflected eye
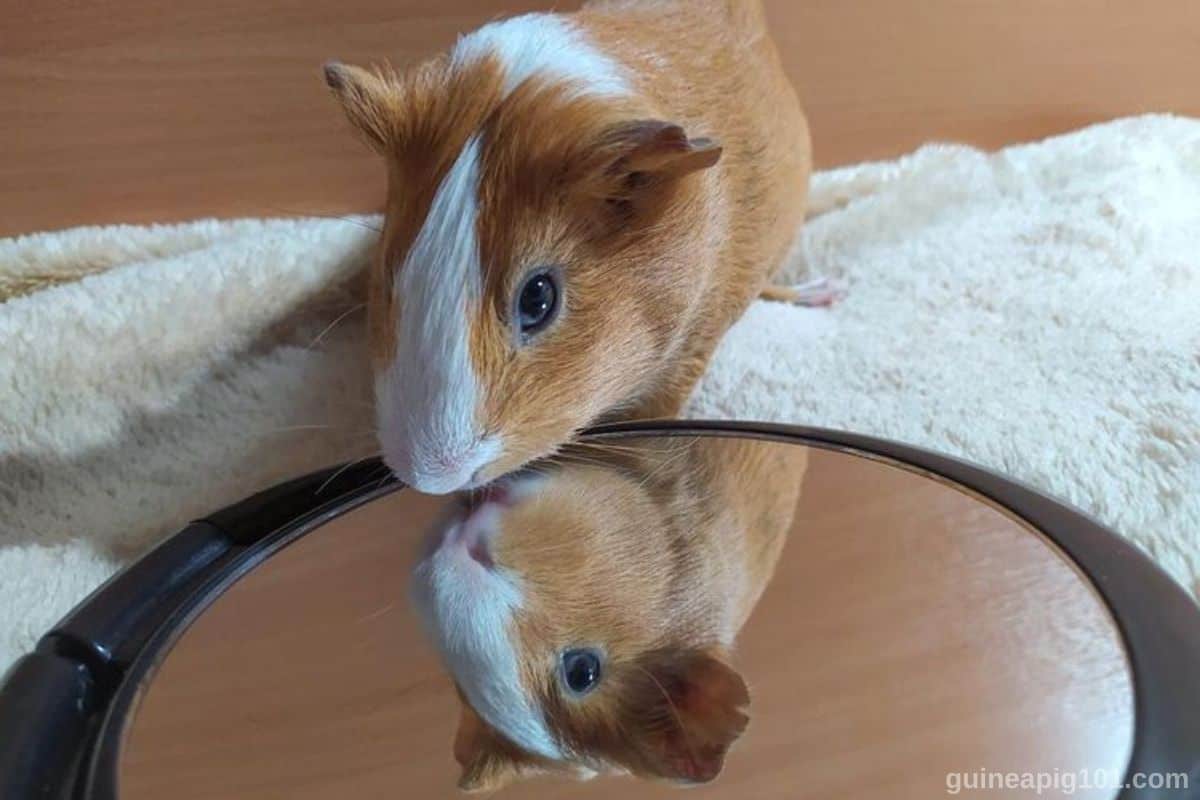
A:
(537, 302)
(580, 670)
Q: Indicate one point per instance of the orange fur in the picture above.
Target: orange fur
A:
(419, 120)
(656, 552)
(666, 210)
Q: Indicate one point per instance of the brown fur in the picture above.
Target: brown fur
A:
(666, 211)
(419, 120)
(735, 91)
(657, 554)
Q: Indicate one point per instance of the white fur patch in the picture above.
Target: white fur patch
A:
(427, 398)
(467, 611)
(544, 44)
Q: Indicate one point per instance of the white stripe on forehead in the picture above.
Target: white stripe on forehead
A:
(428, 400)
(468, 615)
(543, 44)
(431, 386)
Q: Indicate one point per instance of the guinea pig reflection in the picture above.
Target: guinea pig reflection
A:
(587, 612)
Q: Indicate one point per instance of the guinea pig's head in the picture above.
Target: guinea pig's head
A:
(579, 632)
(534, 263)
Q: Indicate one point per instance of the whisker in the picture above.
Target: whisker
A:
(343, 435)
(335, 323)
(609, 447)
(573, 458)
(293, 214)
(377, 612)
(342, 469)
(651, 474)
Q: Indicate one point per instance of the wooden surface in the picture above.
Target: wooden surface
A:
(910, 632)
(146, 111)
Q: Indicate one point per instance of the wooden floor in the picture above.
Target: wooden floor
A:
(912, 633)
(144, 111)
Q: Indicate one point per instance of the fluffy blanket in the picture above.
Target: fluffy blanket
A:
(1036, 310)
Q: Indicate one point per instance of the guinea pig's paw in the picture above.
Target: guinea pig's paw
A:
(818, 292)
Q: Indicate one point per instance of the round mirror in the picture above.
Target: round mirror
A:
(912, 640)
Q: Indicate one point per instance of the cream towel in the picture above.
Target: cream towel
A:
(1036, 311)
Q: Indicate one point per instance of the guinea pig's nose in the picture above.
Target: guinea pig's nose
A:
(447, 469)
(478, 523)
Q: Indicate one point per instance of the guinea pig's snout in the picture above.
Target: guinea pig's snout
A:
(477, 542)
(442, 468)
(469, 532)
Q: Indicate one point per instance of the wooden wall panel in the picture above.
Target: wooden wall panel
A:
(139, 111)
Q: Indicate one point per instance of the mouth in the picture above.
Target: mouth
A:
(474, 519)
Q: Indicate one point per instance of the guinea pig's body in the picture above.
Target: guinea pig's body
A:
(631, 577)
(579, 206)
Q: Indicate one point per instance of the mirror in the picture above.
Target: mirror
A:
(914, 641)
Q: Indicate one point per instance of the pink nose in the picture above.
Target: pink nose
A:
(448, 463)
(476, 531)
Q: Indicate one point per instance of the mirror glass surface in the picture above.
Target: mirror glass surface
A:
(913, 638)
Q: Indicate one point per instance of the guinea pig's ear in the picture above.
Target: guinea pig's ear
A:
(657, 149)
(489, 762)
(688, 713)
(637, 166)
(369, 100)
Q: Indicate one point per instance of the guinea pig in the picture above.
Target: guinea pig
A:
(587, 614)
(578, 207)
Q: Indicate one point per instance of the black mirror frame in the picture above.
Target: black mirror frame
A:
(63, 707)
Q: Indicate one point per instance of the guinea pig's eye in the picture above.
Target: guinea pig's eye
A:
(580, 670)
(537, 301)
